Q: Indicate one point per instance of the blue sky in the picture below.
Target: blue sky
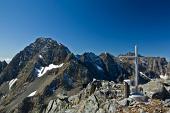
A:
(114, 26)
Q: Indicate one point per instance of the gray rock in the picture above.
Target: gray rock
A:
(167, 103)
(74, 99)
(124, 102)
(163, 94)
(56, 106)
(91, 105)
(50, 104)
(53, 107)
(110, 106)
(100, 111)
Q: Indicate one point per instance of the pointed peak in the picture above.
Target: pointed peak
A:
(89, 53)
(3, 62)
(43, 39)
(106, 54)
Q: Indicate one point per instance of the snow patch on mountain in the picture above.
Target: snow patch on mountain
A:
(12, 82)
(32, 94)
(144, 75)
(20, 63)
(99, 68)
(40, 56)
(43, 70)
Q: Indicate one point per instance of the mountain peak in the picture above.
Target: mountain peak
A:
(3, 64)
(43, 39)
(47, 48)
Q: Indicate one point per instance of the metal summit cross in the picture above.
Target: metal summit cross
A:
(136, 66)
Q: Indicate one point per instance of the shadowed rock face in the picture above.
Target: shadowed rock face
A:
(168, 69)
(115, 70)
(75, 74)
(152, 67)
(3, 65)
(155, 66)
(162, 94)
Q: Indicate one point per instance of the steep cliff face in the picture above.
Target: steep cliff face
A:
(115, 69)
(152, 67)
(168, 69)
(106, 66)
(3, 65)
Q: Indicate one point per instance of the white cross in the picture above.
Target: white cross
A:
(136, 65)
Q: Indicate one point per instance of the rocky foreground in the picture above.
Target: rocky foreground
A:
(104, 97)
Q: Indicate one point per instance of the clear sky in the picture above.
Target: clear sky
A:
(114, 26)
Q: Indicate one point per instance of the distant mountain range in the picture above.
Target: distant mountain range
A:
(46, 68)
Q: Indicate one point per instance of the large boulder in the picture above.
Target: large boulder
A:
(162, 94)
(91, 105)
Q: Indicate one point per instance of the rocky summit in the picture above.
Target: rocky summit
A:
(46, 77)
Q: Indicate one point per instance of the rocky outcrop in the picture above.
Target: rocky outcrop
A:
(168, 69)
(149, 67)
(3, 65)
(156, 89)
(115, 69)
(98, 97)
(106, 66)
(94, 64)
(162, 94)
(102, 97)
(154, 66)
